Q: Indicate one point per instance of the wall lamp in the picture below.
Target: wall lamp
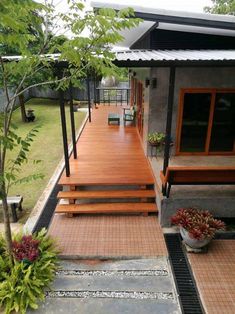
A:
(147, 82)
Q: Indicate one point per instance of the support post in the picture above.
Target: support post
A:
(73, 130)
(64, 132)
(88, 98)
(169, 119)
(95, 100)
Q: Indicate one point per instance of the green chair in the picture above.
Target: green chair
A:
(129, 115)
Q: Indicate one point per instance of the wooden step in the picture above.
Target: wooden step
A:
(107, 194)
(106, 208)
(92, 181)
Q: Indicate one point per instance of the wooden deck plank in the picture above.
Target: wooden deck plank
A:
(108, 154)
(107, 194)
(107, 208)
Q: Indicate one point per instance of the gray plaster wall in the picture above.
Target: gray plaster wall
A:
(185, 78)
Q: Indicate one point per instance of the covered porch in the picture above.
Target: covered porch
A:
(108, 191)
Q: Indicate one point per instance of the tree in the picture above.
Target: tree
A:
(80, 53)
(222, 7)
(44, 40)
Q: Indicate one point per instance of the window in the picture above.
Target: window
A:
(206, 122)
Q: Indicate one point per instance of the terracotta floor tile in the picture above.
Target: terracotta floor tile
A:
(108, 235)
(215, 276)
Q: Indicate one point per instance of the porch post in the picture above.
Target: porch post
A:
(64, 132)
(73, 131)
(94, 78)
(169, 118)
(88, 98)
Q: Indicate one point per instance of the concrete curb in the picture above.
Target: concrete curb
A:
(38, 208)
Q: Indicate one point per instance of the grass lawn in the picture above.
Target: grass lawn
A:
(47, 147)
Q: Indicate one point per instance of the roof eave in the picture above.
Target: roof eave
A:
(174, 63)
(185, 20)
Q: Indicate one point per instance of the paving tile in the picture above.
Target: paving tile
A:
(108, 236)
(215, 276)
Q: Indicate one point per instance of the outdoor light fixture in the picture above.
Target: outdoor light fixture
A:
(154, 82)
(134, 73)
(147, 82)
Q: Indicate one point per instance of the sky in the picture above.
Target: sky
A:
(179, 5)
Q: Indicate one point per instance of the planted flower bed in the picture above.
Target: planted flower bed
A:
(35, 262)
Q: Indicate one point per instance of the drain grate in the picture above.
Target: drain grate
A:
(188, 295)
(48, 210)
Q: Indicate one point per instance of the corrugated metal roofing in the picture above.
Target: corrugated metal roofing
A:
(175, 55)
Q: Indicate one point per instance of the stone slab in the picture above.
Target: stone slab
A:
(122, 283)
(104, 306)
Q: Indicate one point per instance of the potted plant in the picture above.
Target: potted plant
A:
(197, 227)
(156, 138)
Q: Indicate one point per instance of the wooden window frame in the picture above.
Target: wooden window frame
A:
(213, 92)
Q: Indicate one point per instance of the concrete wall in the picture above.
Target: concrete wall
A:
(3, 98)
(78, 93)
(185, 78)
(223, 207)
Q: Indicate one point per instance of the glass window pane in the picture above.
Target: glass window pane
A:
(223, 128)
(195, 122)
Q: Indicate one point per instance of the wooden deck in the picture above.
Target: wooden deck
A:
(108, 154)
(111, 173)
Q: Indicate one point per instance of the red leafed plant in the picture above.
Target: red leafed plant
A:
(26, 249)
(200, 224)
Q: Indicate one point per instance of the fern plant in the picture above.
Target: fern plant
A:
(22, 286)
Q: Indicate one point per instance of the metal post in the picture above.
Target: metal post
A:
(88, 98)
(169, 118)
(127, 97)
(64, 132)
(95, 90)
(73, 130)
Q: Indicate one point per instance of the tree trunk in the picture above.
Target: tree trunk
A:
(22, 108)
(7, 225)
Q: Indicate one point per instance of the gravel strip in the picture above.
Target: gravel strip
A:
(109, 273)
(111, 295)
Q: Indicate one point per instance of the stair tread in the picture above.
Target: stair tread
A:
(107, 194)
(67, 181)
(106, 208)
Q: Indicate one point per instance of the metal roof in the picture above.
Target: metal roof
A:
(175, 55)
(156, 14)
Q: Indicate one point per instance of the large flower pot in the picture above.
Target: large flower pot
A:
(193, 243)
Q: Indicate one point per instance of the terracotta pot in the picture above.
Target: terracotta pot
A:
(193, 243)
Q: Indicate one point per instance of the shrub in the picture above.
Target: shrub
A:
(22, 285)
(200, 224)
